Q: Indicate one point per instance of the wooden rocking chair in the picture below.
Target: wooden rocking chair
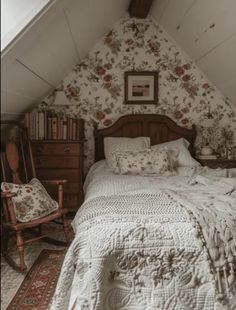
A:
(12, 155)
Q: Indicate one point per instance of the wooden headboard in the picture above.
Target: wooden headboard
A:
(159, 128)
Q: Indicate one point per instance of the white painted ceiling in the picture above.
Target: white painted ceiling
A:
(48, 49)
(15, 15)
(65, 30)
(206, 30)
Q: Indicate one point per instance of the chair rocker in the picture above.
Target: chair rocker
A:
(12, 155)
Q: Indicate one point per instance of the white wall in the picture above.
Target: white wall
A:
(206, 30)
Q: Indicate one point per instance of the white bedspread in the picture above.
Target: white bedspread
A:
(137, 248)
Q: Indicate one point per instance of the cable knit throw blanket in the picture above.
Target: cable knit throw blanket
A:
(140, 246)
(217, 221)
(214, 212)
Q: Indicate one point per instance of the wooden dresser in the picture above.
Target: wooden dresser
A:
(60, 159)
(218, 163)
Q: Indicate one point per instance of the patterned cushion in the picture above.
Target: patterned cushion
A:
(145, 162)
(112, 145)
(32, 200)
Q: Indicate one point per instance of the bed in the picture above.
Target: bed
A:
(151, 242)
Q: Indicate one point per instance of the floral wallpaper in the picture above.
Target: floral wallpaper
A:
(95, 87)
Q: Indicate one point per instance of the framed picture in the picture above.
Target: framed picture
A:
(141, 87)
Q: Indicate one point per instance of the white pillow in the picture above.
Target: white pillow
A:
(113, 145)
(184, 157)
(145, 162)
(32, 201)
(232, 172)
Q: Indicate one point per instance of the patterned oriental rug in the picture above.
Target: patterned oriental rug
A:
(38, 287)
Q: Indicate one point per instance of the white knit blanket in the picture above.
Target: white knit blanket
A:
(137, 248)
(219, 185)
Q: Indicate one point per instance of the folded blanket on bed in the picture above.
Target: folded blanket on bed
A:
(216, 184)
(215, 217)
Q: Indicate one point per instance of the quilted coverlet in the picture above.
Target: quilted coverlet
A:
(137, 247)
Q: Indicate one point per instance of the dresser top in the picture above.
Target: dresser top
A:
(57, 141)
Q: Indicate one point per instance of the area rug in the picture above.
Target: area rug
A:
(38, 287)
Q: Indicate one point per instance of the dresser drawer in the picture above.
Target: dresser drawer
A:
(56, 149)
(70, 175)
(57, 161)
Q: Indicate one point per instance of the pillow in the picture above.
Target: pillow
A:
(144, 162)
(32, 200)
(184, 157)
(120, 144)
(232, 172)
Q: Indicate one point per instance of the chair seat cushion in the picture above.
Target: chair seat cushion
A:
(32, 201)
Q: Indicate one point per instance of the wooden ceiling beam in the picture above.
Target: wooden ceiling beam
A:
(139, 8)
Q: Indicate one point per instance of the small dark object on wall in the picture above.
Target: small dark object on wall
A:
(139, 8)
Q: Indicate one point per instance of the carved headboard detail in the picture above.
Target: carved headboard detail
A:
(159, 128)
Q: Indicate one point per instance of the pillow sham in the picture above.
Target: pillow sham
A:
(112, 145)
(32, 200)
(145, 162)
(184, 157)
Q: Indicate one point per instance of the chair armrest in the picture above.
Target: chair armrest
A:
(54, 182)
(60, 184)
(8, 194)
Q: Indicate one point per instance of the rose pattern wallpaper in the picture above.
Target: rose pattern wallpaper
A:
(95, 87)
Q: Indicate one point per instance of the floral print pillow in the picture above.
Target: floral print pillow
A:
(32, 200)
(112, 145)
(145, 162)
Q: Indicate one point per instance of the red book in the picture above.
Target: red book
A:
(74, 125)
(27, 120)
(68, 128)
(61, 128)
(36, 125)
(54, 128)
(58, 127)
(45, 125)
(32, 126)
(49, 129)
(41, 125)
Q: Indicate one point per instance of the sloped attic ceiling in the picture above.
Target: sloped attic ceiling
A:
(64, 32)
(206, 30)
(52, 44)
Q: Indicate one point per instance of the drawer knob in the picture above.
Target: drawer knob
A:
(66, 149)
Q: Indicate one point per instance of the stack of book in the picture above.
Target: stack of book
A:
(43, 125)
